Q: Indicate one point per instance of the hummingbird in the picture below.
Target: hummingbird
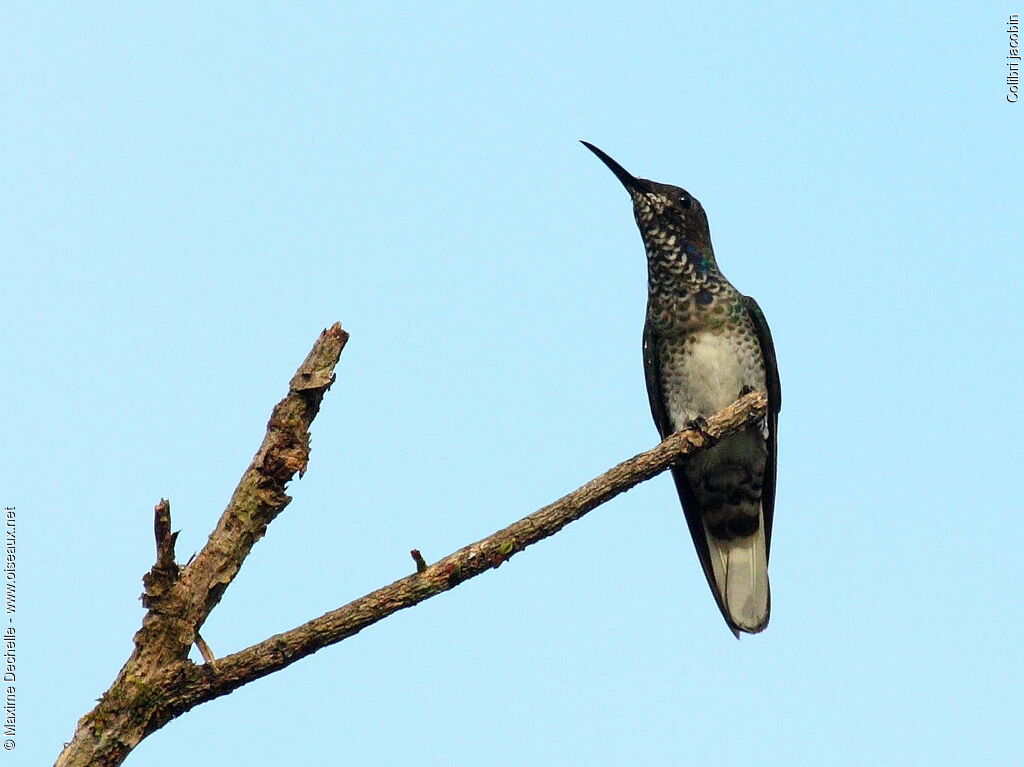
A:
(705, 344)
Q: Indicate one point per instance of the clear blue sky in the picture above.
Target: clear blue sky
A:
(192, 191)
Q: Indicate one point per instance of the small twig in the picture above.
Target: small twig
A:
(161, 578)
(206, 652)
(165, 539)
(421, 564)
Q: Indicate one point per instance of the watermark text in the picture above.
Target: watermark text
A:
(1013, 59)
(8, 638)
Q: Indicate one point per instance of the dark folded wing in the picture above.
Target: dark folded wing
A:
(771, 373)
(691, 509)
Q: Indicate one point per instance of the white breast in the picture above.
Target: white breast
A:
(706, 378)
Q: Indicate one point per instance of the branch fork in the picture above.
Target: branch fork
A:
(159, 682)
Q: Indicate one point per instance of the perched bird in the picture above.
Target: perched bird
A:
(706, 344)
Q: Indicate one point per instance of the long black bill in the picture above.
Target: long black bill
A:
(631, 182)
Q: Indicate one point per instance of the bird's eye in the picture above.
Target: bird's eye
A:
(685, 201)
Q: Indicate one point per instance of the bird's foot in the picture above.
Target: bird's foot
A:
(700, 423)
(745, 391)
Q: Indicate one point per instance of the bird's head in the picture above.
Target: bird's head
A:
(661, 210)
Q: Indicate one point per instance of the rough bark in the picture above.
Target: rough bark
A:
(180, 599)
(159, 682)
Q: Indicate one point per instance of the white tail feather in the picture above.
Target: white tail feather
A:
(740, 568)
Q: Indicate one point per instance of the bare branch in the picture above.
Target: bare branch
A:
(260, 496)
(190, 685)
(179, 602)
(159, 682)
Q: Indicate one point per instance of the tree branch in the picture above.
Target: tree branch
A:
(159, 682)
(179, 601)
(192, 685)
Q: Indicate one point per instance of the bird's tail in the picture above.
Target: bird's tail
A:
(740, 567)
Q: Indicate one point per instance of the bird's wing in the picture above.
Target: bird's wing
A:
(771, 374)
(691, 509)
(652, 372)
